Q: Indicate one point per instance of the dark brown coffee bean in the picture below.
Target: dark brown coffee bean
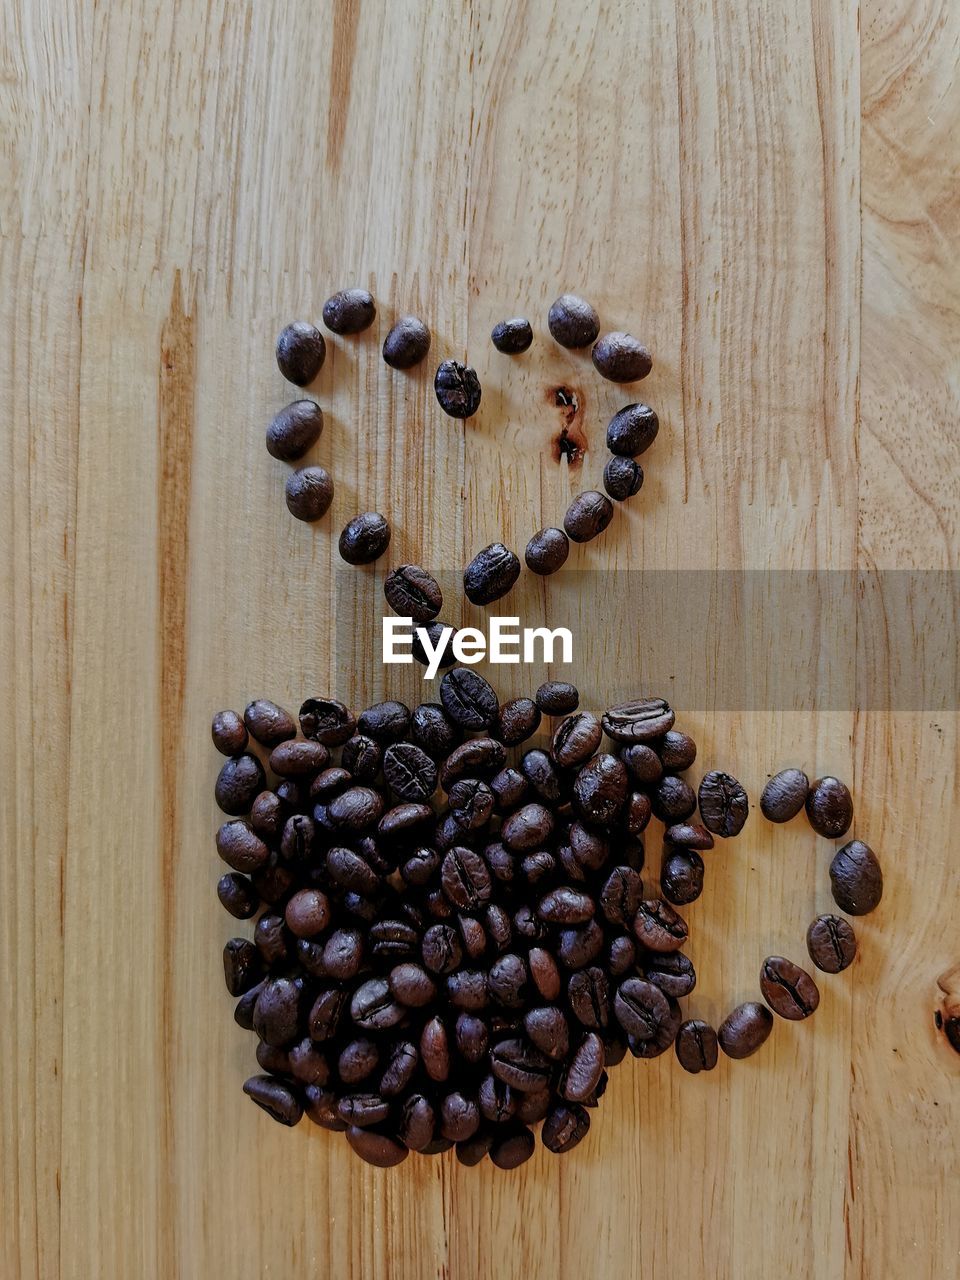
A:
(299, 759)
(407, 343)
(373, 1007)
(688, 835)
(672, 972)
(587, 516)
(294, 430)
(512, 1148)
(512, 336)
(658, 927)
(240, 848)
(723, 804)
(272, 881)
(509, 788)
(404, 824)
(238, 784)
(677, 751)
(590, 848)
(497, 1100)
(600, 789)
(413, 593)
(432, 729)
(326, 720)
(784, 795)
(472, 1152)
(547, 551)
(640, 1008)
(273, 939)
(681, 876)
(361, 757)
(242, 966)
(417, 1122)
(229, 733)
(468, 699)
(584, 1071)
(243, 1009)
(267, 815)
(238, 896)
(622, 478)
(632, 430)
(548, 1031)
(320, 1106)
(269, 724)
(528, 828)
(326, 1013)
(343, 954)
(619, 357)
(276, 1015)
(507, 981)
(521, 1066)
(467, 989)
(516, 721)
(566, 906)
(459, 1117)
(409, 772)
(644, 720)
(621, 957)
(308, 1064)
(589, 994)
(277, 1099)
(544, 973)
(856, 879)
(307, 913)
(788, 989)
(301, 351)
(621, 896)
(471, 803)
(557, 698)
(831, 943)
(441, 949)
(673, 799)
(308, 493)
(576, 739)
(476, 758)
(297, 840)
(435, 1050)
(472, 1037)
(490, 574)
(363, 1109)
(349, 311)
(566, 1125)
(643, 763)
(696, 1046)
(398, 1073)
(745, 1029)
(376, 1148)
(356, 809)
(829, 808)
(385, 722)
(458, 389)
(358, 1061)
(573, 322)
(579, 947)
(364, 538)
(348, 870)
(466, 879)
(663, 1038)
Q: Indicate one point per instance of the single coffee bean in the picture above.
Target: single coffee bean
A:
(587, 516)
(273, 939)
(658, 927)
(672, 972)
(308, 1064)
(277, 1099)
(723, 804)
(326, 720)
(516, 721)
(548, 1031)
(269, 724)
(745, 1029)
(573, 322)
(566, 1125)
(544, 973)
(363, 1109)
(267, 815)
(373, 1007)
(441, 948)
(557, 698)
(622, 478)
(472, 1152)
(399, 1070)
(579, 947)
(409, 772)
(512, 1148)
(477, 757)
(547, 551)
(632, 430)
(413, 593)
(393, 940)
(673, 799)
(600, 789)
(471, 803)
(588, 991)
(688, 835)
(829, 808)
(472, 1038)
(417, 1122)
(585, 1070)
(788, 989)
(299, 759)
(320, 1106)
(238, 783)
(343, 954)
(349, 311)
(465, 878)
(385, 721)
(529, 828)
(326, 1013)
(681, 876)
(307, 913)
(521, 1066)
(433, 730)
(590, 848)
(459, 1117)
(664, 1036)
(576, 738)
(458, 389)
(240, 848)
(407, 343)
(298, 838)
(640, 1008)
(856, 879)
(355, 810)
(512, 336)
(238, 896)
(621, 895)
(831, 943)
(276, 1015)
(242, 966)
(308, 493)
(644, 720)
(362, 757)
(358, 1061)
(364, 538)
(294, 430)
(301, 351)
(376, 1148)
(509, 789)
(404, 823)
(677, 751)
(566, 906)
(490, 574)
(696, 1046)
(784, 795)
(468, 699)
(435, 1050)
(619, 357)
(229, 733)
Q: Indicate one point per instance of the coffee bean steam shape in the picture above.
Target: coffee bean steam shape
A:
(452, 938)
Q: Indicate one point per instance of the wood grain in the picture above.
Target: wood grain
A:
(768, 195)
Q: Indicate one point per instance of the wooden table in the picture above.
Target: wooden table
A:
(766, 193)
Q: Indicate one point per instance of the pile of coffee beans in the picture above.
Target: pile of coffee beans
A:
(453, 939)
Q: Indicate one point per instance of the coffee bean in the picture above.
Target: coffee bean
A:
(557, 698)
(299, 759)
(619, 357)
(677, 751)
(528, 828)
(688, 835)
(544, 973)
(394, 940)
(640, 1008)
(565, 1126)
(723, 804)
(512, 336)
(238, 783)
(490, 574)
(658, 927)
(459, 1117)
(497, 1101)
(520, 1065)
(327, 721)
(672, 972)
(269, 724)
(343, 954)
(399, 1070)
(364, 538)
(441, 949)
(788, 989)
(417, 1122)
(829, 808)
(308, 493)
(547, 551)
(240, 848)
(745, 1029)
(413, 593)
(622, 478)
(831, 943)
(664, 1035)
(509, 788)
(673, 799)
(238, 896)
(376, 1148)
(300, 352)
(308, 1064)
(349, 311)
(585, 1070)
(478, 756)
(458, 389)
(576, 738)
(579, 947)
(229, 733)
(548, 1031)
(373, 1007)
(435, 1050)
(468, 699)
(517, 721)
(573, 322)
(784, 795)
(587, 516)
(355, 810)
(621, 895)
(320, 1106)
(435, 632)
(277, 1099)
(242, 966)
(511, 1149)
(433, 731)
(471, 803)
(307, 913)
(644, 720)
(642, 763)
(294, 430)
(385, 721)
(465, 878)
(407, 343)
(600, 789)
(363, 1109)
(696, 1046)
(632, 430)
(326, 1013)
(566, 906)
(681, 876)
(409, 771)
(276, 1015)
(856, 879)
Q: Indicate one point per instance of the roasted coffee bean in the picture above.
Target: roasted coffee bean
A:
(473, 1150)
(566, 906)
(590, 848)
(471, 803)
(521, 1066)
(272, 881)
(441, 949)
(632, 430)
(364, 538)
(856, 879)
(363, 1109)
(466, 879)
(490, 574)
(267, 815)
(308, 1064)
(358, 1061)
(276, 1015)
(409, 772)
(385, 721)
(579, 947)
(507, 980)
(361, 757)
(788, 989)
(399, 1071)
(468, 699)
(573, 322)
(472, 935)
(600, 789)
(642, 763)
(673, 799)
(784, 795)
(243, 1009)
(229, 733)
(745, 1029)
(458, 389)
(308, 492)
(658, 927)
(413, 593)
(696, 1046)
(509, 788)
(644, 720)
(621, 895)
(326, 720)
(512, 336)
(238, 896)
(356, 809)
(677, 751)
(477, 757)
(301, 351)
(349, 871)
(326, 1013)
(585, 1070)
(238, 784)
(681, 876)
(407, 343)
(589, 994)
(472, 1037)
(435, 1050)
(320, 1106)
(513, 1147)
(299, 759)
(663, 1037)
(672, 972)
(269, 724)
(343, 954)
(688, 835)
(528, 828)
(622, 478)
(723, 804)
(831, 943)
(576, 739)
(467, 989)
(297, 840)
(404, 824)
(829, 808)
(619, 357)
(538, 866)
(294, 430)
(433, 731)
(547, 551)
(459, 1117)
(417, 1122)
(242, 966)
(566, 1125)
(621, 956)
(307, 913)
(349, 311)
(240, 848)
(435, 631)
(640, 1008)
(548, 1031)
(498, 927)
(517, 721)
(377, 1148)
(544, 973)
(587, 516)
(557, 698)
(373, 1007)
(277, 1099)
(273, 939)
